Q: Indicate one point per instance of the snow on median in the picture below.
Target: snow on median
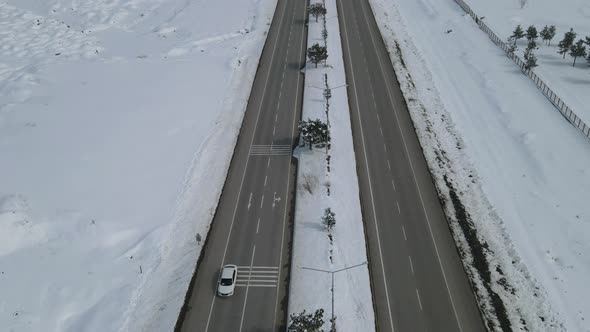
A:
(329, 180)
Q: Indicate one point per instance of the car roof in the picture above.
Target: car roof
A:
(228, 271)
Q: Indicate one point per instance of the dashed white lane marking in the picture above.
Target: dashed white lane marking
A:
(393, 184)
(411, 265)
(250, 201)
(356, 97)
(399, 211)
(265, 179)
(268, 163)
(385, 147)
(413, 172)
(404, 231)
(388, 165)
(381, 129)
(247, 287)
(257, 225)
(301, 60)
(418, 296)
(273, 131)
(276, 117)
(261, 201)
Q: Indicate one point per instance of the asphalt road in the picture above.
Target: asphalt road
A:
(418, 281)
(253, 222)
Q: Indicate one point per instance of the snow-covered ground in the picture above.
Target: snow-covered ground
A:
(570, 83)
(318, 175)
(506, 163)
(117, 123)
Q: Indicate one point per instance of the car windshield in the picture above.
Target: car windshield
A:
(225, 282)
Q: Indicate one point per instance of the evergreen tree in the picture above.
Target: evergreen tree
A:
(551, 34)
(307, 322)
(531, 33)
(544, 33)
(566, 43)
(530, 59)
(329, 219)
(517, 34)
(587, 41)
(317, 53)
(314, 132)
(317, 10)
(578, 50)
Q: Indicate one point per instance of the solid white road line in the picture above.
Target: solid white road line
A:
(411, 265)
(289, 172)
(247, 288)
(368, 173)
(414, 175)
(418, 296)
(247, 160)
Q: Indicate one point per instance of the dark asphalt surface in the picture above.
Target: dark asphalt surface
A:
(252, 226)
(418, 281)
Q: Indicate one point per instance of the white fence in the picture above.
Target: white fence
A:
(567, 112)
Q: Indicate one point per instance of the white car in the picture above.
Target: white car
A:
(227, 280)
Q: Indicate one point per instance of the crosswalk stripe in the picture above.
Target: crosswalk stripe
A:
(272, 150)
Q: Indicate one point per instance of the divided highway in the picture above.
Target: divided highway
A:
(252, 225)
(418, 281)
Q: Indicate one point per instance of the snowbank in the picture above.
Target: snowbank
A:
(329, 181)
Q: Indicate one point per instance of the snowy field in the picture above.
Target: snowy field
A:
(117, 124)
(570, 83)
(506, 163)
(312, 248)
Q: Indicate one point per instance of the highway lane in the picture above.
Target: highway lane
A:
(418, 281)
(252, 225)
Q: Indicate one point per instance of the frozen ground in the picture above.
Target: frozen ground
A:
(570, 83)
(513, 173)
(329, 183)
(117, 124)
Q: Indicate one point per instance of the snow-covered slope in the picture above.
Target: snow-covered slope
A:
(117, 123)
(499, 150)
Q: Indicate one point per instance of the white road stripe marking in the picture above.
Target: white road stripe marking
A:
(399, 211)
(384, 147)
(411, 265)
(256, 267)
(388, 165)
(257, 225)
(268, 163)
(404, 231)
(380, 129)
(249, 201)
(261, 201)
(419, 302)
(247, 287)
(273, 131)
(265, 178)
(393, 184)
(276, 117)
